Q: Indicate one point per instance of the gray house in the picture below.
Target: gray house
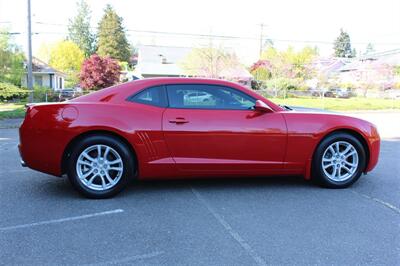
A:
(45, 76)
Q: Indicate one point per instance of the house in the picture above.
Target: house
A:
(160, 61)
(45, 76)
(164, 61)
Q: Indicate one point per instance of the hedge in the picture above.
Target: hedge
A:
(10, 92)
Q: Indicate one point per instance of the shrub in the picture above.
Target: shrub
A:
(99, 72)
(11, 92)
(43, 94)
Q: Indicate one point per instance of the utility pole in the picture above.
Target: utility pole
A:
(29, 78)
(261, 37)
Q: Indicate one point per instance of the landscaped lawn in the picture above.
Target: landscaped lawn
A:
(351, 104)
(12, 110)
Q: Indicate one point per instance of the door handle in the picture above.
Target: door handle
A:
(179, 120)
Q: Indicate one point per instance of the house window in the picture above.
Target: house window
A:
(39, 81)
(60, 83)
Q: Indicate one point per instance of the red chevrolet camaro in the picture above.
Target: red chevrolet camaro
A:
(166, 128)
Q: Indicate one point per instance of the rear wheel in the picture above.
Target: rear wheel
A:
(100, 166)
(338, 161)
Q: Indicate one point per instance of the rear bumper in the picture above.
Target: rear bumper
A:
(23, 164)
(37, 151)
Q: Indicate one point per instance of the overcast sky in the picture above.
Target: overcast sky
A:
(296, 23)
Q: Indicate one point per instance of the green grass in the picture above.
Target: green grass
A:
(351, 104)
(12, 110)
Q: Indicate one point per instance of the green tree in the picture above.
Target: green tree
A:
(67, 57)
(209, 62)
(11, 59)
(79, 29)
(111, 36)
(342, 45)
(44, 52)
(288, 69)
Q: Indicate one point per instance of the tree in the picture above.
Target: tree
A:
(261, 70)
(209, 62)
(288, 69)
(79, 29)
(369, 49)
(99, 72)
(44, 52)
(11, 59)
(342, 45)
(67, 57)
(111, 36)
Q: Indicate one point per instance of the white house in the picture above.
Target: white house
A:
(160, 61)
(45, 76)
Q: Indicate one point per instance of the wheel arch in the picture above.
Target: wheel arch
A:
(70, 145)
(349, 131)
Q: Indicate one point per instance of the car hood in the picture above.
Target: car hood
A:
(311, 110)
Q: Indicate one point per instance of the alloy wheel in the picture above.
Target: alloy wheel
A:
(340, 161)
(99, 167)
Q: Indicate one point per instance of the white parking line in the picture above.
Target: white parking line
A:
(62, 220)
(129, 259)
(235, 235)
(384, 203)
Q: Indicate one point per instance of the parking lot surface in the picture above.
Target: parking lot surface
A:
(261, 221)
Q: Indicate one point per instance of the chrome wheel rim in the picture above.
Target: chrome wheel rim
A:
(340, 161)
(99, 167)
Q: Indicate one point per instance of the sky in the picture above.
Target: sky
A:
(287, 23)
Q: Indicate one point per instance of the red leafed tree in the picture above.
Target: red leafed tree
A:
(99, 72)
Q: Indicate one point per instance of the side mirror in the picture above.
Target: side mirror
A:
(262, 107)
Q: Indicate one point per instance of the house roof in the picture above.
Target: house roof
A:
(391, 57)
(161, 60)
(329, 65)
(40, 67)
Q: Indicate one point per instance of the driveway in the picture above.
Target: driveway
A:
(279, 221)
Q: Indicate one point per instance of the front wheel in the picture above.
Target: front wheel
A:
(339, 161)
(100, 166)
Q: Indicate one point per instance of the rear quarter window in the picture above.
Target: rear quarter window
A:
(154, 96)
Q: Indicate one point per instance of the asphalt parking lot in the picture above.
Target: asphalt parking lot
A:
(262, 221)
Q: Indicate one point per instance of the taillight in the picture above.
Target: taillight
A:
(28, 107)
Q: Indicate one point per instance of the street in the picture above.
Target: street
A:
(279, 221)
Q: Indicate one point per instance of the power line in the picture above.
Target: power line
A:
(215, 36)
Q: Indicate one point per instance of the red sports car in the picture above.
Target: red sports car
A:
(166, 128)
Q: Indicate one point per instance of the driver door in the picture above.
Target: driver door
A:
(220, 131)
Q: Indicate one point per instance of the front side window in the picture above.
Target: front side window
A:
(151, 96)
(200, 96)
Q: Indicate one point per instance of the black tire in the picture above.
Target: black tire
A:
(119, 147)
(318, 174)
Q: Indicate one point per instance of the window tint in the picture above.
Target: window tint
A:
(208, 97)
(151, 96)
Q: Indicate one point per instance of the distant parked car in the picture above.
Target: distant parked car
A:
(332, 93)
(66, 94)
(392, 94)
(318, 92)
(341, 93)
(196, 97)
